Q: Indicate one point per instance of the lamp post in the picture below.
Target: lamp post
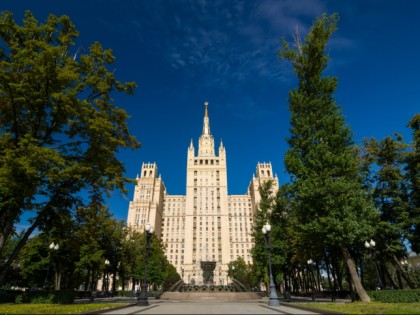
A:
(274, 299)
(311, 278)
(142, 298)
(106, 276)
(309, 262)
(233, 273)
(53, 247)
(371, 246)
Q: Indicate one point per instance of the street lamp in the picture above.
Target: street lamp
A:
(142, 298)
(53, 247)
(106, 276)
(274, 299)
(311, 278)
(371, 246)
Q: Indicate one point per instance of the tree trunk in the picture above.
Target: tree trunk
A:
(329, 275)
(400, 270)
(400, 284)
(381, 266)
(338, 280)
(114, 282)
(103, 282)
(5, 233)
(318, 278)
(300, 281)
(87, 281)
(391, 279)
(364, 297)
(16, 250)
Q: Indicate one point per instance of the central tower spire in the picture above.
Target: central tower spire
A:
(206, 124)
(206, 141)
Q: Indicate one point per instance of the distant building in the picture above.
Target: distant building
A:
(206, 227)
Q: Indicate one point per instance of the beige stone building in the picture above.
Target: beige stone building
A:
(206, 225)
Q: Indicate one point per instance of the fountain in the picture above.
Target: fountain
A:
(234, 291)
(208, 271)
(208, 290)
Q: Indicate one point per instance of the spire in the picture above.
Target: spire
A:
(206, 124)
(206, 141)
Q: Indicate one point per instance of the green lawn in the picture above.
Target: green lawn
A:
(54, 308)
(365, 308)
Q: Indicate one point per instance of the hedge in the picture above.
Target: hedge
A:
(45, 297)
(396, 296)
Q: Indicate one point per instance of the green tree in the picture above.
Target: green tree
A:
(170, 276)
(413, 177)
(158, 264)
(270, 210)
(130, 256)
(391, 198)
(59, 127)
(240, 271)
(330, 204)
(33, 261)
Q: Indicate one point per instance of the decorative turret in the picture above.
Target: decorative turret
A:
(149, 170)
(222, 151)
(191, 151)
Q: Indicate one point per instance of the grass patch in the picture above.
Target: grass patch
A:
(54, 308)
(365, 308)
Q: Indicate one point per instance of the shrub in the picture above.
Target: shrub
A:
(396, 296)
(9, 296)
(19, 299)
(65, 296)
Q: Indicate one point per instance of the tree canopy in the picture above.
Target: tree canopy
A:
(330, 204)
(59, 127)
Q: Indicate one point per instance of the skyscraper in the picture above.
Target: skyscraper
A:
(205, 229)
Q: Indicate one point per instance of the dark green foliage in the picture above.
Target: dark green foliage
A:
(390, 192)
(66, 296)
(413, 177)
(242, 272)
(330, 206)
(272, 209)
(59, 127)
(9, 296)
(396, 296)
(170, 277)
(43, 297)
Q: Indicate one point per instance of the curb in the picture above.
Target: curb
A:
(109, 309)
(311, 309)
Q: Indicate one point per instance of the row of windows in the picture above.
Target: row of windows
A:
(206, 162)
(239, 204)
(211, 173)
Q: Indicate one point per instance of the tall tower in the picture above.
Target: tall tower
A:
(204, 229)
(147, 204)
(264, 172)
(206, 213)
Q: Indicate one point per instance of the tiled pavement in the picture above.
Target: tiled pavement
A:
(209, 307)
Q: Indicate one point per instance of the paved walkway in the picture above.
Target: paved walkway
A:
(209, 307)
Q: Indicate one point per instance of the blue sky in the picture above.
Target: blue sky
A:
(182, 53)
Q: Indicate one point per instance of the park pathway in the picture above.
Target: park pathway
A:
(209, 307)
